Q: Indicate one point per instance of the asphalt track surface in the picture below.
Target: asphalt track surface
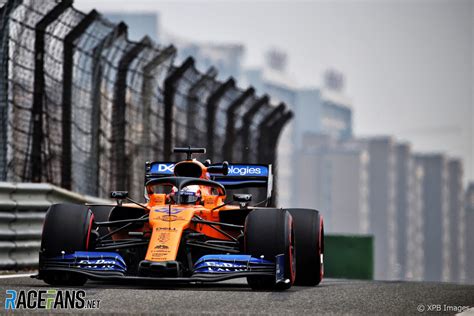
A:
(234, 297)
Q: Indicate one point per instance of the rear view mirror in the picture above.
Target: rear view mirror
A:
(242, 197)
(119, 194)
(223, 169)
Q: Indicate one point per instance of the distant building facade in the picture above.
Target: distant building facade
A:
(404, 169)
(382, 205)
(226, 58)
(436, 220)
(409, 215)
(323, 111)
(333, 177)
(414, 253)
(468, 239)
(456, 224)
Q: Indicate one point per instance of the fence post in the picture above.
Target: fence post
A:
(170, 90)
(119, 157)
(38, 89)
(193, 100)
(230, 124)
(212, 103)
(247, 121)
(263, 131)
(68, 65)
(5, 12)
(273, 131)
(118, 31)
(147, 94)
(272, 136)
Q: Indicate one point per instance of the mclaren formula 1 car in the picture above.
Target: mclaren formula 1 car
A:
(188, 231)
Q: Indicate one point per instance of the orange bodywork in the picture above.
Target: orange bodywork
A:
(168, 221)
(167, 229)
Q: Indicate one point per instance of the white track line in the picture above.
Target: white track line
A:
(12, 276)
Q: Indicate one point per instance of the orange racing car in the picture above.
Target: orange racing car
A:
(188, 231)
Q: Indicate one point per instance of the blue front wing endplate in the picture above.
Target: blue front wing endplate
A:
(231, 263)
(90, 260)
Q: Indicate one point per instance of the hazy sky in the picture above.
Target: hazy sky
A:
(409, 65)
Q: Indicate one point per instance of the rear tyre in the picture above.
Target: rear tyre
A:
(66, 229)
(309, 236)
(268, 233)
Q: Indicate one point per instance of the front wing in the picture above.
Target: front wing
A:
(110, 267)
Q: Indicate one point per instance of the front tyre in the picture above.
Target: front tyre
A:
(268, 233)
(66, 229)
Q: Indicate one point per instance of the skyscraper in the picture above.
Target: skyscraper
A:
(324, 111)
(456, 213)
(409, 215)
(436, 226)
(404, 173)
(333, 178)
(382, 205)
(468, 239)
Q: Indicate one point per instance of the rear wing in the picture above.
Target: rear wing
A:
(239, 175)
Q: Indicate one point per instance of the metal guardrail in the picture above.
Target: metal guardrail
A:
(22, 210)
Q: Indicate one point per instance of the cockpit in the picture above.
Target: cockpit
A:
(183, 190)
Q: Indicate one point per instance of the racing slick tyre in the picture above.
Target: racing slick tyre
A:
(66, 229)
(268, 233)
(309, 240)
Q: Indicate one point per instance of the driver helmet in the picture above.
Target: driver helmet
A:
(190, 194)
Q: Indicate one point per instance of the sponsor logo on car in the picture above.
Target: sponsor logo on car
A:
(245, 170)
(224, 264)
(162, 168)
(97, 261)
(166, 210)
(212, 266)
(95, 264)
(165, 168)
(234, 170)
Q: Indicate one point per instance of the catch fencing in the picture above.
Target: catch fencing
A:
(83, 107)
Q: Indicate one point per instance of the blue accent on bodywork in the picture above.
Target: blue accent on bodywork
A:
(247, 176)
(162, 168)
(230, 263)
(91, 260)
